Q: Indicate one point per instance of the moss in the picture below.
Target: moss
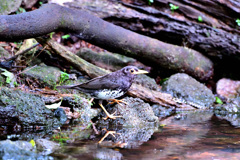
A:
(44, 75)
(30, 109)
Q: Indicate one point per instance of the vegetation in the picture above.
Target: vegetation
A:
(173, 7)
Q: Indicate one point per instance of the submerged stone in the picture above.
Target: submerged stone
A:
(19, 150)
(229, 111)
(187, 90)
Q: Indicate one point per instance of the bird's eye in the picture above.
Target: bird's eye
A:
(131, 70)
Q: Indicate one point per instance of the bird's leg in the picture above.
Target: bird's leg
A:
(111, 116)
(117, 101)
(108, 132)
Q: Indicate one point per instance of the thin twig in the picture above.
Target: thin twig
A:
(22, 52)
(26, 70)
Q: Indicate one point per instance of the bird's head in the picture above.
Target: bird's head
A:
(132, 71)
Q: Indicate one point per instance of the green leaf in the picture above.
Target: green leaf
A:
(20, 10)
(218, 100)
(51, 34)
(63, 77)
(32, 142)
(200, 19)
(163, 80)
(238, 21)
(65, 36)
(173, 7)
(9, 76)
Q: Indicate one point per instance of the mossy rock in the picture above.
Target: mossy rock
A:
(7, 6)
(27, 109)
(136, 113)
(42, 76)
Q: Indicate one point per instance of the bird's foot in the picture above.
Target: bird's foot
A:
(111, 116)
(113, 133)
(117, 101)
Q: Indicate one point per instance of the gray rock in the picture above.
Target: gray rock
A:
(25, 109)
(46, 146)
(19, 150)
(187, 90)
(135, 113)
(7, 6)
(42, 76)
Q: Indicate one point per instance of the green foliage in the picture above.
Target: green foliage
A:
(200, 19)
(63, 77)
(60, 137)
(65, 36)
(51, 34)
(218, 100)
(19, 44)
(20, 10)
(173, 7)
(15, 84)
(9, 76)
(150, 2)
(163, 80)
(238, 21)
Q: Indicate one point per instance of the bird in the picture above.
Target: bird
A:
(109, 86)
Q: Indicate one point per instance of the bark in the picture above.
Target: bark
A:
(216, 36)
(106, 35)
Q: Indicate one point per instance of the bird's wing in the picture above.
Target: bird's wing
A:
(104, 82)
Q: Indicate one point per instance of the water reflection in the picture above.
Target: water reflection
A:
(188, 135)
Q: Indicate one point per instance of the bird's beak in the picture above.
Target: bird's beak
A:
(140, 72)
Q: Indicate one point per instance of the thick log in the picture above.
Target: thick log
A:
(216, 36)
(52, 17)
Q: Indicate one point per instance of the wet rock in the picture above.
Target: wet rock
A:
(135, 113)
(187, 90)
(106, 153)
(46, 147)
(234, 119)
(147, 82)
(60, 113)
(231, 107)
(129, 137)
(25, 109)
(19, 150)
(228, 88)
(229, 111)
(136, 125)
(162, 112)
(82, 106)
(42, 76)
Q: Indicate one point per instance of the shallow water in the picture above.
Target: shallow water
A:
(190, 135)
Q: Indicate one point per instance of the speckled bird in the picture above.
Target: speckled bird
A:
(110, 86)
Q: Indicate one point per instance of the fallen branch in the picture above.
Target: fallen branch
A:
(52, 17)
